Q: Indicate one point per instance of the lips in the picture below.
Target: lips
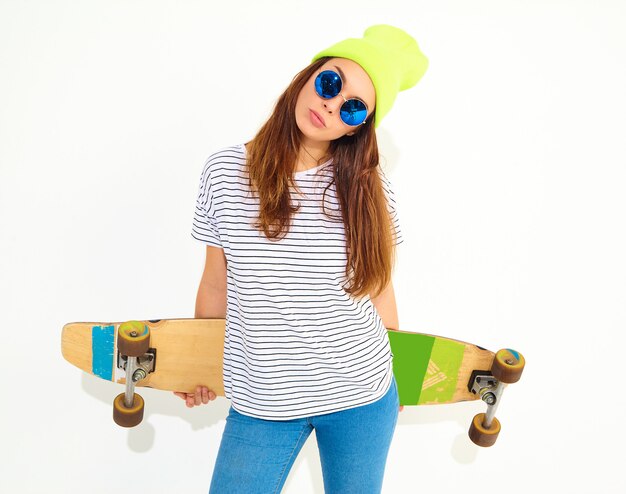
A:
(318, 116)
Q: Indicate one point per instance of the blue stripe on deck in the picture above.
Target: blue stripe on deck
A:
(102, 340)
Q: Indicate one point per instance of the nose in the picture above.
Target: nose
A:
(333, 104)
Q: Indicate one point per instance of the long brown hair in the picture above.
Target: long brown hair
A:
(271, 162)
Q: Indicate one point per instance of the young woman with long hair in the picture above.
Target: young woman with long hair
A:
(300, 229)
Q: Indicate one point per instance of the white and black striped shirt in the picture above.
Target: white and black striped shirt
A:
(296, 343)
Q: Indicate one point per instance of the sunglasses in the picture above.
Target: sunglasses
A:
(328, 84)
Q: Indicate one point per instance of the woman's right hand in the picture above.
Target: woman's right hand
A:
(202, 395)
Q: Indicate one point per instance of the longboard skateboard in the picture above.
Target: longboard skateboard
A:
(180, 354)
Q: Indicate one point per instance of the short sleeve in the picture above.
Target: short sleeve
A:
(204, 226)
(392, 208)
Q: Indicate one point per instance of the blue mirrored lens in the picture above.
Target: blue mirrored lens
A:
(353, 112)
(328, 84)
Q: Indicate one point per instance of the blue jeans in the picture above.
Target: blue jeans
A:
(255, 455)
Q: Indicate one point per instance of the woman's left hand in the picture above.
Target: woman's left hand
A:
(401, 407)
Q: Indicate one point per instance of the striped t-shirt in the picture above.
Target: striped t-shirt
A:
(296, 344)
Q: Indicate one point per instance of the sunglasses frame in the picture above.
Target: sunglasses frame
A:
(339, 93)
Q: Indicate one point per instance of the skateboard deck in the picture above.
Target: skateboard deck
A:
(180, 354)
(189, 352)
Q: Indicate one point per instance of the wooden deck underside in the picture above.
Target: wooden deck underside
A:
(429, 369)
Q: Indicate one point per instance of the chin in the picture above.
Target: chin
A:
(308, 130)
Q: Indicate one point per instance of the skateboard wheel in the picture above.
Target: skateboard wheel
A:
(133, 338)
(482, 436)
(128, 417)
(507, 366)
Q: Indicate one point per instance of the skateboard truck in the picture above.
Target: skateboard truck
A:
(133, 344)
(144, 365)
(137, 368)
(490, 390)
(506, 368)
(483, 384)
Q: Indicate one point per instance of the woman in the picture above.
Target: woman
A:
(300, 228)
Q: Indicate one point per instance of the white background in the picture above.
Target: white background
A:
(508, 163)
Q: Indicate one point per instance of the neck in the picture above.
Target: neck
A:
(311, 154)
